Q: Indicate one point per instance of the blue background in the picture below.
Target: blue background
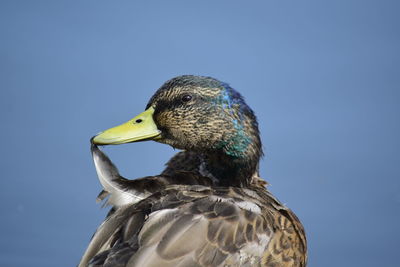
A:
(322, 76)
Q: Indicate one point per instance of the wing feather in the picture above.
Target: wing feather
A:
(189, 226)
(104, 234)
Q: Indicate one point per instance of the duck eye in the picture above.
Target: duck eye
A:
(186, 98)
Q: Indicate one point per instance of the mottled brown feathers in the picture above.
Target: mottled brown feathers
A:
(215, 122)
(200, 226)
(209, 207)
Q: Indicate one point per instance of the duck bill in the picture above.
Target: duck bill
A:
(140, 128)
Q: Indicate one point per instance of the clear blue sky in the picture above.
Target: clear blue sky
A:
(322, 76)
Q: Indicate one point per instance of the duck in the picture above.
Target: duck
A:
(209, 206)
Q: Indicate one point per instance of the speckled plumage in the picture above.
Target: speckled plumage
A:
(217, 119)
(209, 207)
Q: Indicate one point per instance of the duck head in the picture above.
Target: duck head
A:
(200, 114)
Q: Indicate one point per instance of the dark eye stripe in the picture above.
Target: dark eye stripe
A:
(163, 105)
(172, 103)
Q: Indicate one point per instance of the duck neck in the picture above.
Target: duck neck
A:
(228, 170)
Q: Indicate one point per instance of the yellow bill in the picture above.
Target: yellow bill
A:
(140, 128)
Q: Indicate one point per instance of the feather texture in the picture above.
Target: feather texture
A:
(190, 227)
(209, 207)
(197, 225)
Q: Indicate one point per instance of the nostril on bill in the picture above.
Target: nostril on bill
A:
(138, 120)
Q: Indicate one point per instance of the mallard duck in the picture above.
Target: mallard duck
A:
(209, 207)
